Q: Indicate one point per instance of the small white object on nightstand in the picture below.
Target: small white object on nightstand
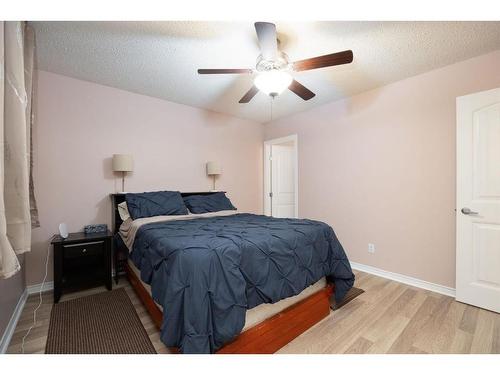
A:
(63, 230)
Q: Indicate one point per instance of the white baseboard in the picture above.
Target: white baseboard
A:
(34, 289)
(441, 289)
(9, 330)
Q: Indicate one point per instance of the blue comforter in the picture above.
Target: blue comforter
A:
(207, 272)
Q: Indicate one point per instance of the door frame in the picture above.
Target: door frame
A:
(267, 171)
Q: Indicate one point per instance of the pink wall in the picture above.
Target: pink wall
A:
(380, 168)
(81, 124)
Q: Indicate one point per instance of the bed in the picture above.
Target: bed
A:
(232, 282)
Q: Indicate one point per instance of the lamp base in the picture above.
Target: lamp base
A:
(214, 177)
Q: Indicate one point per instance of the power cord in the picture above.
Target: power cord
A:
(41, 299)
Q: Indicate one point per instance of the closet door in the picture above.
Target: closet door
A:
(478, 200)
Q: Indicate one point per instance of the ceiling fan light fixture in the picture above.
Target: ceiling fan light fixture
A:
(273, 82)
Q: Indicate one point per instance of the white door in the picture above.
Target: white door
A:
(283, 180)
(478, 199)
(280, 177)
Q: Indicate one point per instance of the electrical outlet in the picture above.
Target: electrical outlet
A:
(371, 248)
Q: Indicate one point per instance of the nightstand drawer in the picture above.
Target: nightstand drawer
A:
(83, 249)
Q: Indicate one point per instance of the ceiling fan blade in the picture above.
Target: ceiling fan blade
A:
(338, 58)
(266, 33)
(224, 71)
(249, 95)
(301, 90)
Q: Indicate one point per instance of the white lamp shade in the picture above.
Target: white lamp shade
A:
(273, 82)
(213, 168)
(123, 163)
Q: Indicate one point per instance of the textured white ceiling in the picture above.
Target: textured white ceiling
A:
(160, 59)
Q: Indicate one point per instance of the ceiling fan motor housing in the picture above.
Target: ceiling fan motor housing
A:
(280, 62)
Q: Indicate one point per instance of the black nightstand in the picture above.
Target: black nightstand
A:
(81, 260)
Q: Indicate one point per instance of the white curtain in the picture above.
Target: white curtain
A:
(16, 71)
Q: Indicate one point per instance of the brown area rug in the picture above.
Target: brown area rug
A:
(350, 295)
(104, 323)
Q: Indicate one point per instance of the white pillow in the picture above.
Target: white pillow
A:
(123, 211)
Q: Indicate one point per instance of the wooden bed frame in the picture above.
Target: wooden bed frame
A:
(266, 337)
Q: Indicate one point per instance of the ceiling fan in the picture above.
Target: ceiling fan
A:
(273, 68)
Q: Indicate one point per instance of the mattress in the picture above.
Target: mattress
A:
(259, 313)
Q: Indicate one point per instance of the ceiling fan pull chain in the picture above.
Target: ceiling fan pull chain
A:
(272, 102)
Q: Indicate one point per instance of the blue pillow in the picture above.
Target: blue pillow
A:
(199, 204)
(155, 203)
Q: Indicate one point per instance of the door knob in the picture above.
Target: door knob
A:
(467, 211)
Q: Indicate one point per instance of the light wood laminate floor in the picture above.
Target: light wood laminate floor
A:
(388, 318)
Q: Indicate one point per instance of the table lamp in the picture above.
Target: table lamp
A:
(123, 163)
(213, 169)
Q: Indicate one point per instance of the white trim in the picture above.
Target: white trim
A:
(9, 330)
(288, 138)
(34, 289)
(267, 177)
(441, 289)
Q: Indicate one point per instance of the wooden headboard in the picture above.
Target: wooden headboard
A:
(118, 198)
